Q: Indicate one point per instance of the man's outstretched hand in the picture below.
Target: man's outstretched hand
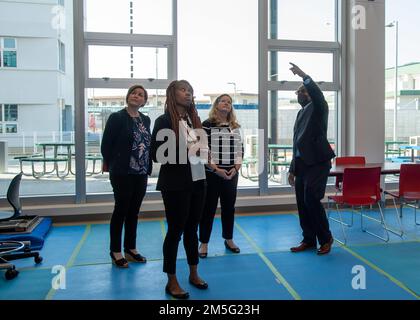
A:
(296, 70)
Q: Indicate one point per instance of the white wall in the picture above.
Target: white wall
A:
(365, 122)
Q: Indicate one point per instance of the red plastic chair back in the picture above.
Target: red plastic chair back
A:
(361, 183)
(341, 161)
(409, 179)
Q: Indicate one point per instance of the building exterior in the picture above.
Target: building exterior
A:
(408, 111)
(36, 70)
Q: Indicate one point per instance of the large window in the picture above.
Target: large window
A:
(311, 42)
(402, 79)
(218, 53)
(139, 47)
(239, 47)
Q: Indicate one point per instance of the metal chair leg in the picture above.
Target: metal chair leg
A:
(382, 221)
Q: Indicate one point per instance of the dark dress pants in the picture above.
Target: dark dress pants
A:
(129, 191)
(225, 190)
(183, 211)
(311, 182)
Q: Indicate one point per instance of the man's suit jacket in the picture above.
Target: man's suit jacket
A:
(310, 131)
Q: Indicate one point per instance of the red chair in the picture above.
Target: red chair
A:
(361, 187)
(409, 189)
(341, 161)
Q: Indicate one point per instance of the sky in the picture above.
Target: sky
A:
(218, 39)
(407, 14)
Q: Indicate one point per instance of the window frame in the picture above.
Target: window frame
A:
(3, 49)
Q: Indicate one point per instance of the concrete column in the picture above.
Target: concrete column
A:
(365, 105)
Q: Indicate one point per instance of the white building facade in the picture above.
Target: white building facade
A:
(36, 72)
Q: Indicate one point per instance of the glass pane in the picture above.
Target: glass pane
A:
(124, 16)
(318, 65)
(9, 59)
(10, 112)
(1, 112)
(402, 102)
(101, 103)
(109, 61)
(34, 121)
(146, 62)
(11, 128)
(283, 109)
(1, 128)
(303, 20)
(150, 63)
(214, 46)
(9, 43)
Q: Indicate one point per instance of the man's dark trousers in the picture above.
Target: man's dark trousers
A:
(310, 185)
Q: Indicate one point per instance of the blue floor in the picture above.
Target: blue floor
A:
(264, 270)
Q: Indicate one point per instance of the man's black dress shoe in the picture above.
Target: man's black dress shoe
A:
(325, 248)
(121, 263)
(130, 256)
(203, 285)
(184, 295)
(302, 247)
(234, 250)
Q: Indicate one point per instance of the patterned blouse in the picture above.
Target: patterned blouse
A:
(139, 159)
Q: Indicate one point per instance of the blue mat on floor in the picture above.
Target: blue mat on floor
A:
(36, 237)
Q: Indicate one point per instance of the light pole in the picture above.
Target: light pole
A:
(391, 25)
(234, 91)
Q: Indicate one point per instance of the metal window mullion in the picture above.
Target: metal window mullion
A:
(263, 91)
(293, 85)
(341, 108)
(126, 83)
(127, 39)
(79, 99)
(173, 49)
(301, 46)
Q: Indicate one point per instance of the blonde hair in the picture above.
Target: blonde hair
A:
(231, 118)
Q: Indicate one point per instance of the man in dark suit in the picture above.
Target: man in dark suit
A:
(311, 164)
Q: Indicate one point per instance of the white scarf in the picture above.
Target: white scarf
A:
(197, 167)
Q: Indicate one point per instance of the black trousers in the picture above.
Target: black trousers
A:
(129, 191)
(311, 182)
(183, 211)
(226, 190)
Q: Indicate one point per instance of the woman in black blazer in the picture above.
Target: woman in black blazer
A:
(126, 152)
(181, 182)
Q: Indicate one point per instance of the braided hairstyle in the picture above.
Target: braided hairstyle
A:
(170, 107)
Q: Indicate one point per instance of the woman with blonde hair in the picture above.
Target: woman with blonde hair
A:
(226, 155)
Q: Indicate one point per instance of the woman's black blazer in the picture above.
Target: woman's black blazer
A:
(117, 141)
(172, 177)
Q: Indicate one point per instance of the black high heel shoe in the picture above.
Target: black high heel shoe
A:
(184, 295)
(130, 256)
(121, 263)
(234, 250)
(203, 285)
(202, 254)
